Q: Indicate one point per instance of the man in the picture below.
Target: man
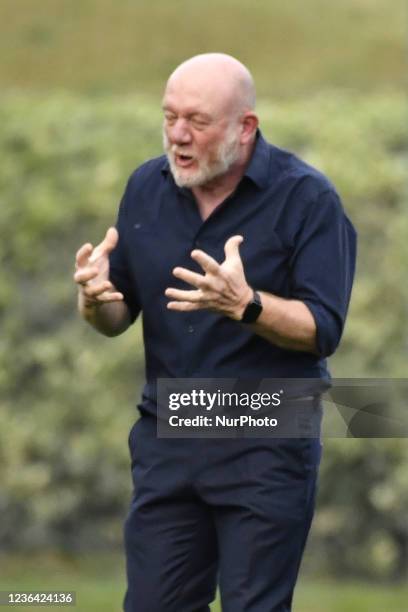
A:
(241, 259)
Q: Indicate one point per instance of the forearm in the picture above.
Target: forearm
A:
(109, 318)
(287, 323)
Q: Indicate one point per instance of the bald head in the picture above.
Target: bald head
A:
(209, 127)
(217, 78)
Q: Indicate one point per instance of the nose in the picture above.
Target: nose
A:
(179, 132)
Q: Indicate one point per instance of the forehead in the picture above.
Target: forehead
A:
(195, 95)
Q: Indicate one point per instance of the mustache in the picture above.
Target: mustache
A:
(175, 149)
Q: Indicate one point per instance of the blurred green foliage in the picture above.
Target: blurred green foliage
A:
(68, 393)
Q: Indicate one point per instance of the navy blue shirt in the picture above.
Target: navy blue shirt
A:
(298, 244)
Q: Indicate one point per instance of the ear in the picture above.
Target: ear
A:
(249, 125)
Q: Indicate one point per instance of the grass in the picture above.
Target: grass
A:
(99, 585)
(291, 47)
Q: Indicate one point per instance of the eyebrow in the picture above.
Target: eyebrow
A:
(190, 115)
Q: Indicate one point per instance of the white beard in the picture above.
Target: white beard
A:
(227, 154)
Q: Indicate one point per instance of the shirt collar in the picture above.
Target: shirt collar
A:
(165, 169)
(258, 167)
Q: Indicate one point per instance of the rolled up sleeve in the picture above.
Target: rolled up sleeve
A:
(323, 266)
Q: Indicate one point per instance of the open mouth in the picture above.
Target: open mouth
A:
(184, 160)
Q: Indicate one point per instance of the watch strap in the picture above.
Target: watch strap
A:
(253, 309)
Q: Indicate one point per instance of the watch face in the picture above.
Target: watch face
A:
(253, 310)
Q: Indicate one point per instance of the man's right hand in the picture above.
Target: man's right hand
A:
(92, 272)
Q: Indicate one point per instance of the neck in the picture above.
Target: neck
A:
(211, 194)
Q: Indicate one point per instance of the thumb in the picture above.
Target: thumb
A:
(106, 246)
(231, 247)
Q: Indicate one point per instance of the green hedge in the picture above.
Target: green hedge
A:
(68, 394)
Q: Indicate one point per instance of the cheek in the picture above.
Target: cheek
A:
(213, 153)
(206, 144)
(166, 138)
(200, 144)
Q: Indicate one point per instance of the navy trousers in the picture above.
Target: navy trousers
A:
(236, 511)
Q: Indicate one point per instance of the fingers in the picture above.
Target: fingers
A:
(179, 294)
(231, 247)
(101, 292)
(207, 263)
(112, 297)
(83, 254)
(87, 254)
(106, 246)
(183, 306)
(192, 278)
(84, 275)
(108, 297)
(94, 290)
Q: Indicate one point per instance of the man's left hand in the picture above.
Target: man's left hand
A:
(222, 288)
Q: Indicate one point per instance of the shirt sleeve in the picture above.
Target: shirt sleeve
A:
(120, 271)
(323, 266)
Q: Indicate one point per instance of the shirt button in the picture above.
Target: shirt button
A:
(190, 329)
(197, 243)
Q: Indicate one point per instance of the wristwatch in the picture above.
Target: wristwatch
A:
(253, 310)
